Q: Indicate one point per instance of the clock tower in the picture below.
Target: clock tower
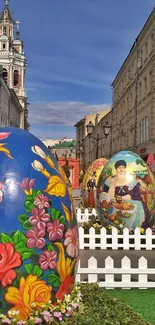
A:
(13, 60)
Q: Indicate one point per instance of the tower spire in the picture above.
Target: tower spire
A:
(6, 3)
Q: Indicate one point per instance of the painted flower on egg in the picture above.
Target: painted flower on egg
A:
(39, 234)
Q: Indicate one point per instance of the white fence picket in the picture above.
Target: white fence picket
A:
(142, 265)
(126, 265)
(109, 266)
(103, 238)
(148, 239)
(92, 265)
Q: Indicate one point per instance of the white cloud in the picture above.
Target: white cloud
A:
(61, 113)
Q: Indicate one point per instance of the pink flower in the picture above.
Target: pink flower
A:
(38, 320)
(47, 316)
(35, 238)
(48, 260)
(58, 315)
(27, 185)
(55, 230)
(42, 201)
(68, 312)
(153, 211)
(6, 321)
(39, 218)
(71, 242)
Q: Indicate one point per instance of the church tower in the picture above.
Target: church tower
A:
(12, 59)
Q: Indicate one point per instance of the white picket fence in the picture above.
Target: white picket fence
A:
(85, 215)
(109, 276)
(124, 241)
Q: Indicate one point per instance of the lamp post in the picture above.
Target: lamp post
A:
(72, 148)
(106, 128)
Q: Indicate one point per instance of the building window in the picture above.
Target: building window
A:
(146, 50)
(5, 75)
(145, 86)
(144, 130)
(4, 46)
(16, 78)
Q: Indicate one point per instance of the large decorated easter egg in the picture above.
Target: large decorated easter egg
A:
(38, 229)
(90, 182)
(126, 192)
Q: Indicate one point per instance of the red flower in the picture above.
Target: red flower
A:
(65, 287)
(9, 259)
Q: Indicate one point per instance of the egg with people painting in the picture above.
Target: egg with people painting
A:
(126, 192)
(38, 228)
(90, 182)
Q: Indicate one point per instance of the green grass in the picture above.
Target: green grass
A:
(141, 301)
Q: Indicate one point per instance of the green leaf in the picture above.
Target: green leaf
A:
(62, 220)
(25, 249)
(54, 280)
(37, 271)
(22, 218)
(52, 212)
(21, 244)
(29, 268)
(38, 193)
(19, 237)
(6, 238)
(26, 225)
(29, 198)
(57, 214)
(29, 205)
(51, 248)
(26, 255)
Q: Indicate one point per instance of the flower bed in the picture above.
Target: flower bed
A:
(87, 304)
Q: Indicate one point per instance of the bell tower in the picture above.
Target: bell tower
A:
(12, 59)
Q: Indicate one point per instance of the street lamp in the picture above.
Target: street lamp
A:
(71, 147)
(106, 128)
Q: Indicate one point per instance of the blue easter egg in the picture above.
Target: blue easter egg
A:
(38, 228)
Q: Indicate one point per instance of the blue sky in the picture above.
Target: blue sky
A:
(74, 50)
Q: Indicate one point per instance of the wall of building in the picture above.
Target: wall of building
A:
(74, 166)
(9, 107)
(132, 117)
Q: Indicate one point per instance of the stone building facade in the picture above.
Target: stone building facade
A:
(133, 110)
(10, 107)
(132, 116)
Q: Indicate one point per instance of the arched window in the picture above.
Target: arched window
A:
(144, 130)
(16, 78)
(5, 75)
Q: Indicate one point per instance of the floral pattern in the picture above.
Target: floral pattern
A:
(31, 291)
(9, 260)
(71, 242)
(48, 260)
(55, 230)
(37, 263)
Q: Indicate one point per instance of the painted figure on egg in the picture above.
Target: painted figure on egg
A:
(127, 186)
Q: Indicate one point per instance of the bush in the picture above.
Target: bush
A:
(99, 309)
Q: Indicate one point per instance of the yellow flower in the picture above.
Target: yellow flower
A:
(142, 231)
(63, 309)
(64, 266)
(31, 291)
(56, 186)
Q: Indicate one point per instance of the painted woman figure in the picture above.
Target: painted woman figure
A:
(91, 185)
(121, 187)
